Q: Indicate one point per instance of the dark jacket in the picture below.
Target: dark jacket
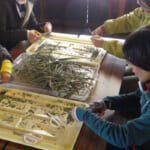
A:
(11, 31)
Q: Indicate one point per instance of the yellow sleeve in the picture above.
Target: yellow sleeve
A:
(114, 47)
(126, 23)
(6, 66)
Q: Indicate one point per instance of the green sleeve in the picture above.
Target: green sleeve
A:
(114, 47)
(126, 23)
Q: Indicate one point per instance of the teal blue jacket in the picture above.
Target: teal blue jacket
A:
(134, 132)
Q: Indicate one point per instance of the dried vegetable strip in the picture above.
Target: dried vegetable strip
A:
(63, 75)
(74, 50)
(32, 117)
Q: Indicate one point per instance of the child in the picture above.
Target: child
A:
(17, 22)
(124, 24)
(137, 131)
(6, 65)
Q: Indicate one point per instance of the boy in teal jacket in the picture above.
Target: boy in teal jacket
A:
(137, 131)
(124, 24)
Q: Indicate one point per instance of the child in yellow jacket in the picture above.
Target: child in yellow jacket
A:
(5, 65)
(124, 24)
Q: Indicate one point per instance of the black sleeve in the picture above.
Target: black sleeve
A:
(34, 24)
(10, 32)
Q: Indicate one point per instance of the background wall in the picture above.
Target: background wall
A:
(81, 13)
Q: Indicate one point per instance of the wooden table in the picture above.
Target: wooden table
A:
(108, 83)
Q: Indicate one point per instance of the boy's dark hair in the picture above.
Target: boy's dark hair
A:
(137, 48)
(147, 2)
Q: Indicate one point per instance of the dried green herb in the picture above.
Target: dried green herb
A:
(83, 50)
(9, 119)
(47, 72)
(69, 118)
(3, 92)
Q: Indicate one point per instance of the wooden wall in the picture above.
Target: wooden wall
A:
(74, 12)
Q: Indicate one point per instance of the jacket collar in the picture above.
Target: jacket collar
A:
(29, 7)
(144, 86)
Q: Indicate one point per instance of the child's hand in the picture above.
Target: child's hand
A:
(98, 31)
(97, 41)
(33, 36)
(97, 107)
(5, 76)
(73, 114)
(48, 27)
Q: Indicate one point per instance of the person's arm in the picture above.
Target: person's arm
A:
(124, 24)
(7, 33)
(123, 102)
(4, 54)
(134, 132)
(114, 47)
(11, 36)
(41, 27)
(6, 64)
(5, 71)
(34, 24)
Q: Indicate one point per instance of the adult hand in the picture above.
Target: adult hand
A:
(48, 27)
(97, 107)
(5, 76)
(98, 41)
(33, 36)
(98, 31)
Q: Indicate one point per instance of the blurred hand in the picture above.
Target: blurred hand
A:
(73, 114)
(33, 36)
(48, 27)
(97, 107)
(98, 41)
(5, 76)
(98, 31)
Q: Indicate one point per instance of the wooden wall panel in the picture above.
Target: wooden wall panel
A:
(98, 11)
(64, 11)
(130, 5)
(119, 7)
(74, 12)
